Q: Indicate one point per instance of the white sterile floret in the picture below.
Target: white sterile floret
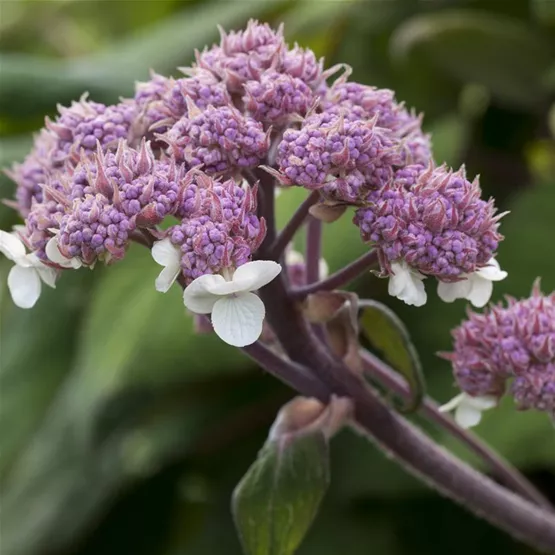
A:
(406, 284)
(468, 409)
(237, 313)
(166, 254)
(24, 279)
(477, 287)
(54, 255)
(294, 258)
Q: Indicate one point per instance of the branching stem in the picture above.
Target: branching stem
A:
(339, 278)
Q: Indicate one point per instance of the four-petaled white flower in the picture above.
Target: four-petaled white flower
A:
(406, 284)
(168, 255)
(24, 279)
(237, 313)
(468, 409)
(54, 255)
(477, 287)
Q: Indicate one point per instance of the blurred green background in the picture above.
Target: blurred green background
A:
(123, 432)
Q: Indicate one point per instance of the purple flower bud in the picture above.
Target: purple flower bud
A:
(515, 342)
(220, 139)
(440, 227)
(276, 97)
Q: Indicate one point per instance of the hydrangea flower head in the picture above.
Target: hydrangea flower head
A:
(439, 227)
(85, 124)
(276, 97)
(512, 344)
(365, 102)
(219, 230)
(243, 55)
(95, 229)
(221, 140)
(345, 159)
(33, 172)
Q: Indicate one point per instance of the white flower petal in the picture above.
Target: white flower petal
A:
(484, 402)
(54, 255)
(166, 253)
(492, 271)
(199, 297)
(47, 274)
(449, 292)
(480, 292)
(254, 275)
(238, 319)
(167, 277)
(323, 269)
(468, 409)
(407, 285)
(452, 404)
(24, 285)
(11, 246)
(467, 416)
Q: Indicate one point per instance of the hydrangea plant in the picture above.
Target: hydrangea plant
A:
(252, 117)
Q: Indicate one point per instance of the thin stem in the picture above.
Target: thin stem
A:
(292, 226)
(313, 249)
(509, 475)
(291, 373)
(339, 278)
(266, 207)
(410, 447)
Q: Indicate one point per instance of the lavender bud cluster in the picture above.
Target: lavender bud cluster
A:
(434, 220)
(509, 348)
(99, 176)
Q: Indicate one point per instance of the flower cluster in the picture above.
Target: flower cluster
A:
(506, 344)
(434, 223)
(99, 177)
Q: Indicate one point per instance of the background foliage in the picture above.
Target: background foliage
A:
(123, 432)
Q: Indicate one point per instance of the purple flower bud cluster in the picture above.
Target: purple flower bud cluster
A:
(221, 139)
(345, 159)
(365, 102)
(440, 226)
(276, 97)
(84, 123)
(94, 229)
(514, 343)
(33, 172)
(219, 228)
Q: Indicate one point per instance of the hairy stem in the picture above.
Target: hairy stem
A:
(501, 468)
(292, 226)
(409, 446)
(339, 278)
(313, 249)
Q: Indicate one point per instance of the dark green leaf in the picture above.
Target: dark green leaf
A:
(387, 334)
(277, 500)
(498, 52)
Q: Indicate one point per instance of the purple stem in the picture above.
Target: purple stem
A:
(377, 369)
(313, 249)
(339, 278)
(292, 226)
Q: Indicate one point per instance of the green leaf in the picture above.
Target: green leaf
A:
(498, 52)
(387, 334)
(277, 500)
